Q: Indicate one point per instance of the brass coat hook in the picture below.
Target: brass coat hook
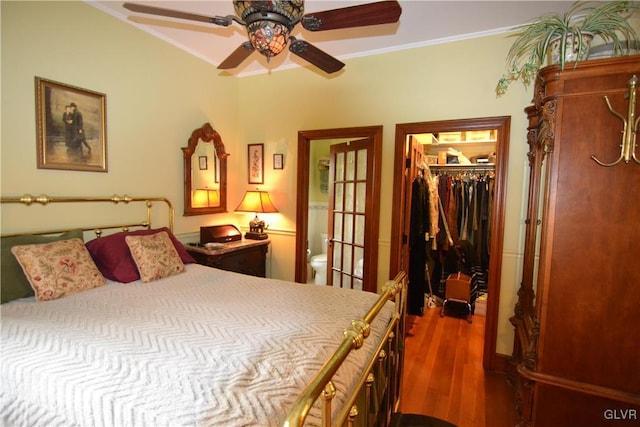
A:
(629, 129)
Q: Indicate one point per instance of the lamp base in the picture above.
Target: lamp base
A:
(255, 236)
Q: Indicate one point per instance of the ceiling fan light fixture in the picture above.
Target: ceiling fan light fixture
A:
(291, 10)
(269, 25)
(268, 37)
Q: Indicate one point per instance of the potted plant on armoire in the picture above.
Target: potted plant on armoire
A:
(556, 38)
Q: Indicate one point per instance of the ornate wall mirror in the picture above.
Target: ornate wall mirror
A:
(205, 173)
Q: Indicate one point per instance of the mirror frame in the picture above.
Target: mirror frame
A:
(206, 134)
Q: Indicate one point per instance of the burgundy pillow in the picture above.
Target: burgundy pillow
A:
(113, 258)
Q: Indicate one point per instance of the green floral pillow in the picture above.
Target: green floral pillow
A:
(58, 268)
(155, 256)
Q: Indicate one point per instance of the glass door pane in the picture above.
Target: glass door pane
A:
(349, 184)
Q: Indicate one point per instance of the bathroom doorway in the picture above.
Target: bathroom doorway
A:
(352, 240)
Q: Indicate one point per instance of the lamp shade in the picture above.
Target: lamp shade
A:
(256, 201)
(205, 197)
(269, 22)
(213, 197)
(268, 37)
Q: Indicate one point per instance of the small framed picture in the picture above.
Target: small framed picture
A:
(255, 163)
(278, 161)
(203, 162)
(71, 127)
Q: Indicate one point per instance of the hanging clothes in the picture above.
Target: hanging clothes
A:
(450, 200)
(434, 211)
(467, 198)
(420, 226)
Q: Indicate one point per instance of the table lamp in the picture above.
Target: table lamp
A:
(258, 202)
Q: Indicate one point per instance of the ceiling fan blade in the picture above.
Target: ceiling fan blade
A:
(315, 56)
(225, 21)
(383, 12)
(237, 56)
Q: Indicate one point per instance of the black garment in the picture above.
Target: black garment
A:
(419, 226)
(75, 132)
(69, 138)
(78, 129)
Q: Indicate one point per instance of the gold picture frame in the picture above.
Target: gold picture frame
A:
(70, 127)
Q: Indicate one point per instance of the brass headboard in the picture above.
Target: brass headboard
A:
(44, 199)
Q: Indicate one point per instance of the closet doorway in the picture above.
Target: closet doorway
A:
(407, 163)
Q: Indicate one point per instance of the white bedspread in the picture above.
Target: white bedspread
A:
(203, 348)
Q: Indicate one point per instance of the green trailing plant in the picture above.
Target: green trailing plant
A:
(608, 20)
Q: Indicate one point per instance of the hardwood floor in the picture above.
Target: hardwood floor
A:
(443, 374)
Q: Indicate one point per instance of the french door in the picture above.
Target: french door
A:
(373, 138)
(349, 201)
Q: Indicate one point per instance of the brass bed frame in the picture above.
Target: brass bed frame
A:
(44, 199)
(377, 393)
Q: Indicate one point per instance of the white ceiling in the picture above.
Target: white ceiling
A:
(422, 23)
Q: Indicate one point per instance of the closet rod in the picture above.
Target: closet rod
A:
(463, 168)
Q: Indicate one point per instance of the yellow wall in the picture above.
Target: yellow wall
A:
(156, 95)
(450, 81)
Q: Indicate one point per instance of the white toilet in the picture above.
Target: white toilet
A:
(319, 263)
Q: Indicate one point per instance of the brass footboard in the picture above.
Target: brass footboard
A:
(377, 394)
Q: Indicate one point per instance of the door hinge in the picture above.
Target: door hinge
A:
(407, 163)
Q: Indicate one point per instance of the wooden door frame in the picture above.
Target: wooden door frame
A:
(490, 360)
(302, 206)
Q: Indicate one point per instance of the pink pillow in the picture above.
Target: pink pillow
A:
(113, 258)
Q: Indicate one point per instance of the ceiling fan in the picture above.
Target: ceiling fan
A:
(269, 24)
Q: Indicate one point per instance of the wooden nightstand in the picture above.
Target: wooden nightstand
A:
(242, 256)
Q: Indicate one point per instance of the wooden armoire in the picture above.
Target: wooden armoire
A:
(576, 357)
